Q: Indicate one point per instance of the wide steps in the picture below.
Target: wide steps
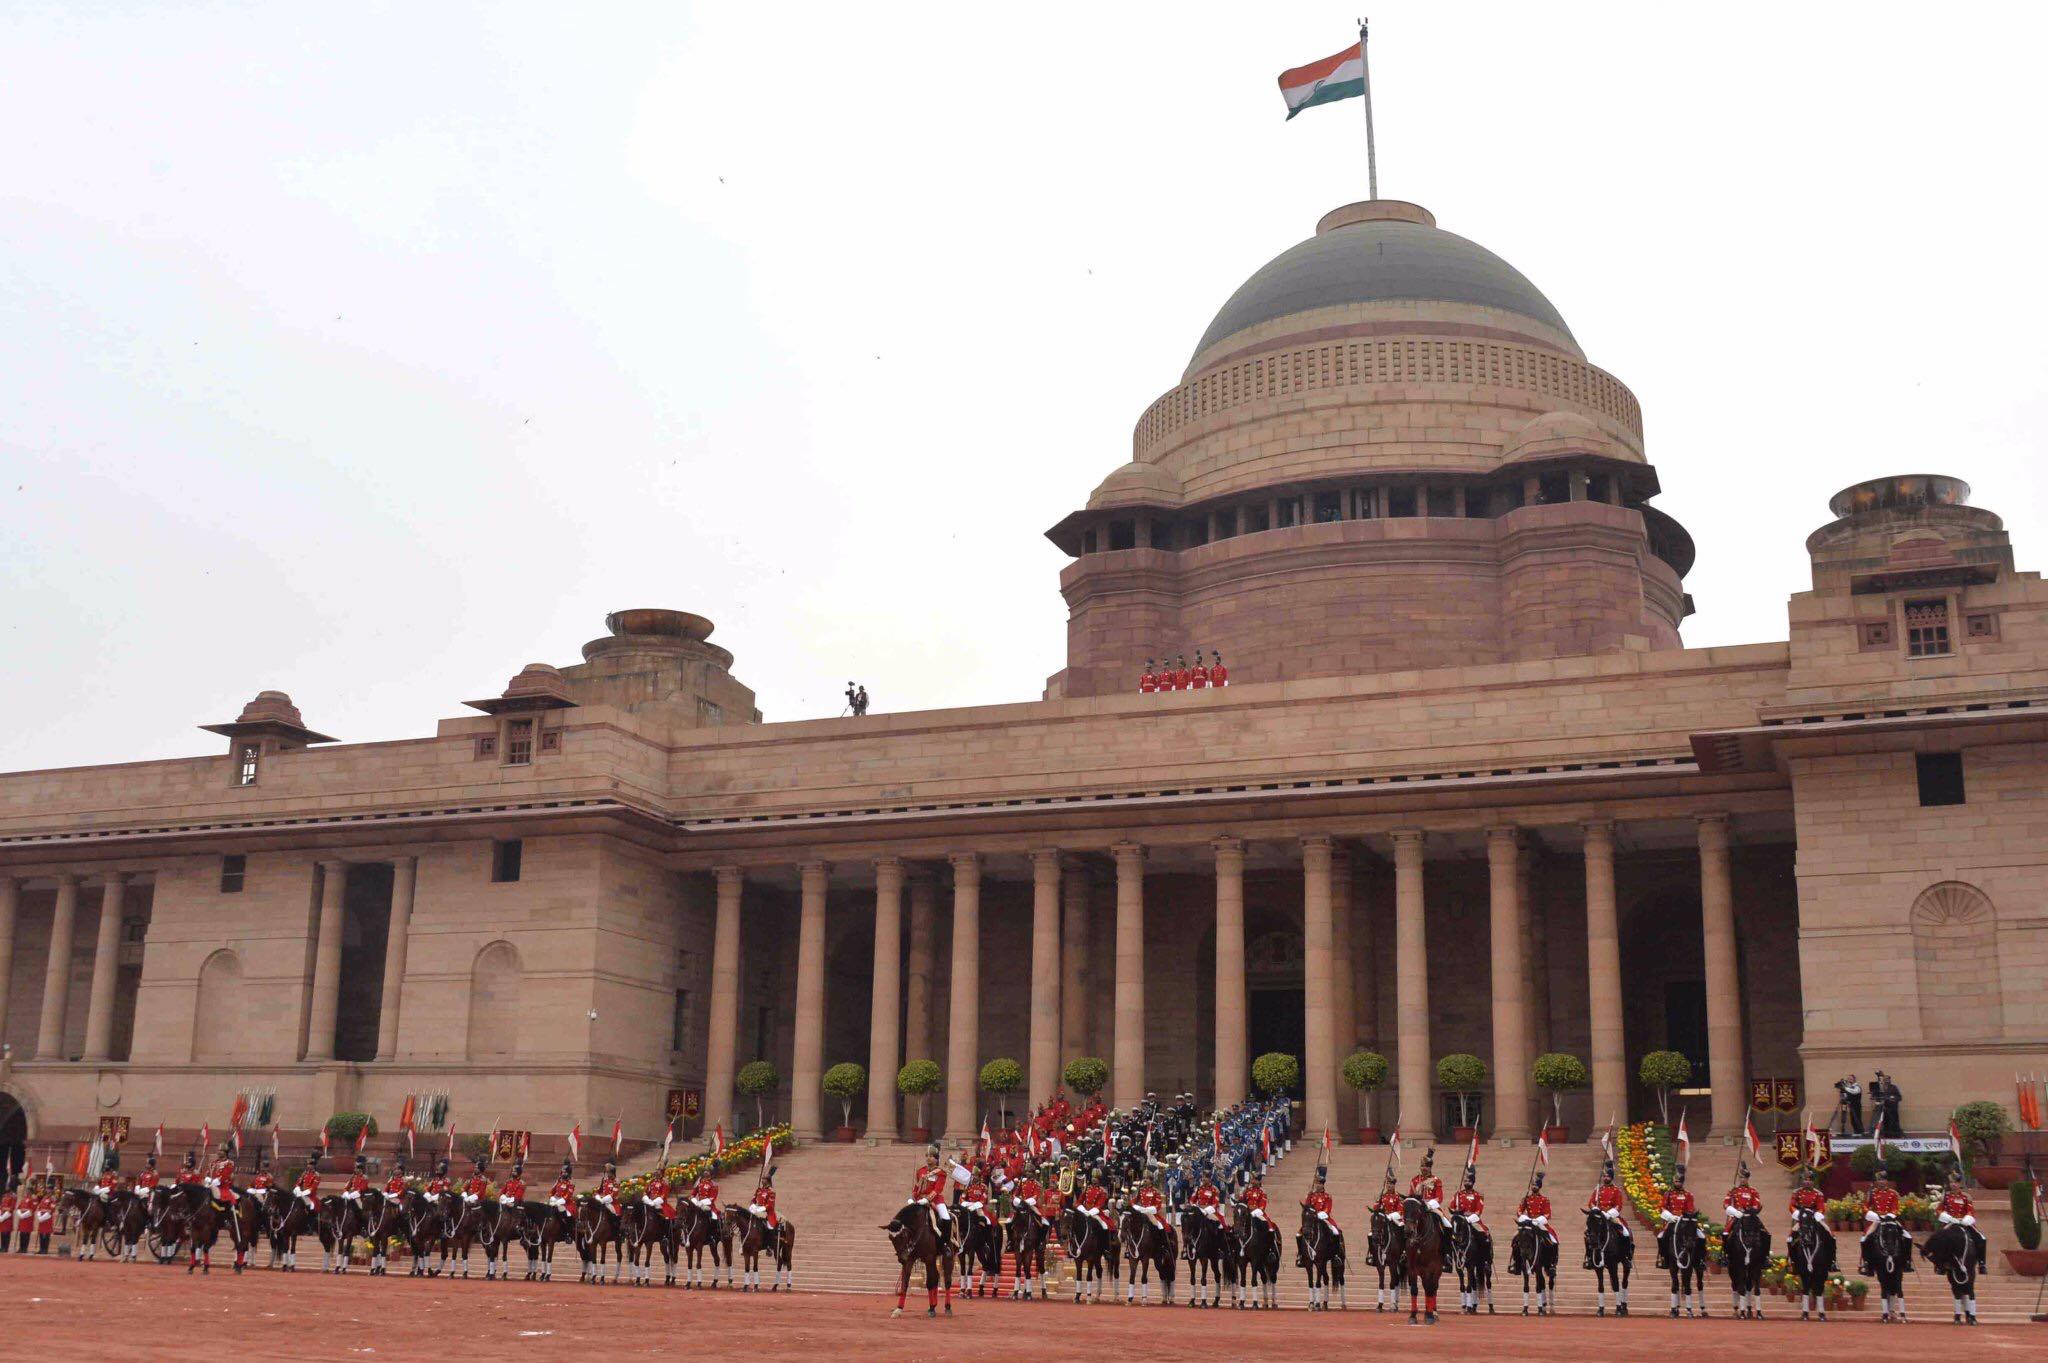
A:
(839, 1197)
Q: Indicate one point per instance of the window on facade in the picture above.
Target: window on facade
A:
(486, 746)
(679, 1022)
(1443, 501)
(505, 857)
(1926, 628)
(1087, 541)
(1329, 507)
(245, 765)
(1287, 513)
(1255, 520)
(1941, 778)
(518, 742)
(233, 869)
(1123, 534)
(1162, 534)
(1198, 532)
(1400, 501)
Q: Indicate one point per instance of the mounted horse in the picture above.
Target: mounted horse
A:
(1959, 1256)
(701, 1232)
(1888, 1257)
(981, 1254)
(126, 1223)
(504, 1225)
(1089, 1245)
(779, 1244)
(1685, 1255)
(1422, 1260)
(596, 1230)
(1024, 1240)
(1811, 1252)
(426, 1227)
(1746, 1248)
(1322, 1254)
(644, 1231)
(298, 1217)
(1209, 1242)
(91, 1213)
(546, 1227)
(1386, 1249)
(386, 1221)
(1258, 1248)
(1472, 1259)
(343, 1220)
(1611, 1252)
(1148, 1248)
(914, 1236)
(1533, 1255)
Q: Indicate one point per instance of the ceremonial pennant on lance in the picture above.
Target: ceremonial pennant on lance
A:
(576, 1141)
(767, 1154)
(1333, 78)
(1683, 1141)
(618, 1135)
(1955, 1140)
(1542, 1150)
(1215, 1136)
(1472, 1155)
(1877, 1136)
(205, 1137)
(156, 1146)
(362, 1137)
(1326, 1145)
(236, 1136)
(668, 1138)
(276, 1147)
(323, 1140)
(451, 1138)
(1750, 1139)
(410, 1151)
(718, 1139)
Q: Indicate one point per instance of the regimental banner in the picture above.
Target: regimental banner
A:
(510, 1143)
(1760, 1094)
(1793, 1150)
(114, 1129)
(1786, 1092)
(687, 1104)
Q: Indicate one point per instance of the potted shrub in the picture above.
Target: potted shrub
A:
(1275, 1072)
(757, 1079)
(1462, 1076)
(1558, 1074)
(1002, 1077)
(1859, 1293)
(846, 1081)
(919, 1079)
(1664, 1071)
(342, 1130)
(1982, 1125)
(1086, 1075)
(1366, 1072)
(2029, 1260)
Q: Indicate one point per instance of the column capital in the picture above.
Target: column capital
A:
(1228, 847)
(1598, 830)
(1128, 852)
(965, 861)
(1713, 828)
(1503, 835)
(1045, 858)
(65, 878)
(333, 865)
(114, 880)
(1408, 837)
(730, 875)
(410, 859)
(1316, 841)
(814, 870)
(890, 865)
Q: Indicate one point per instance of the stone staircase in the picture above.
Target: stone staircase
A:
(839, 1196)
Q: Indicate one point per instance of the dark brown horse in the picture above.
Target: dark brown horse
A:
(1322, 1253)
(1957, 1253)
(1612, 1254)
(291, 1216)
(386, 1218)
(546, 1227)
(1422, 1258)
(645, 1231)
(1149, 1249)
(504, 1225)
(426, 1226)
(1207, 1243)
(981, 1254)
(90, 1213)
(756, 1239)
(915, 1237)
(1089, 1246)
(597, 1229)
(127, 1220)
(1026, 1236)
(1259, 1251)
(702, 1232)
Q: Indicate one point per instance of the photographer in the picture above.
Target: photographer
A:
(1850, 1103)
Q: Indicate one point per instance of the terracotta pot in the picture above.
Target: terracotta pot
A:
(1997, 1177)
(2028, 1263)
(920, 1135)
(1461, 1135)
(1857, 1303)
(1368, 1135)
(1557, 1135)
(842, 1135)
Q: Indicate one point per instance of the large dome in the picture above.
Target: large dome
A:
(1380, 251)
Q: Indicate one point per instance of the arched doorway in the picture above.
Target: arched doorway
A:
(1277, 1018)
(13, 1139)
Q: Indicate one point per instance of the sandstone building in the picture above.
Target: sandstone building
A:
(1467, 791)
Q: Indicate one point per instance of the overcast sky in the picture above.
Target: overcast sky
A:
(370, 352)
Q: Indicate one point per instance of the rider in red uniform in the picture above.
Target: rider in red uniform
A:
(655, 1195)
(188, 1172)
(608, 1187)
(220, 1179)
(1094, 1201)
(307, 1188)
(928, 1188)
(1207, 1198)
(358, 1184)
(1026, 1192)
(260, 1182)
(1319, 1203)
(477, 1186)
(1148, 680)
(562, 1197)
(395, 1186)
(1389, 1202)
(437, 1186)
(1534, 1208)
(1808, 1200)
(1430, 1188)
(704, 1196)
(1147, 1201)
(1743, 1200)
(1958, 1210)
(974, 1200)
(1467, 1202)
(1881, 1205)
(512, 1191)
(1607, 1200)
(763, 1206)
(1677, 1204)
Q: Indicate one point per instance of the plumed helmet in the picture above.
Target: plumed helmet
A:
(150, 1160)
(1607, 1171)
(440, 1166)
(1678, 1177)
(1471, 1176)
(1322, 1172)
(1536, 1184)
(1429, 1158)
(932, 1151)
(568, 1168)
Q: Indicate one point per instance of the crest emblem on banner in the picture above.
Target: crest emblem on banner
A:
(1761, 1094)
(1786, 1093)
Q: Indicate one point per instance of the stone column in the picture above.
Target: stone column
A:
(1603, 976)
(1074, 963)
(1411, 988)
(807, 1061)
(963, 1019)
(885, 1021)
(1343, 981)
(721, 1036)
(404, 874)
(917, 985)
(1724, 988)
(1319, 1066)
(10, 910)
(106, 970)
(326, 1000)
(1043, 1071)
(1231, 1062)
(1510, 975)
(1127, 1069)
(1537, 940)
(57, 972)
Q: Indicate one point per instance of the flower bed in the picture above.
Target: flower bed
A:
(1645, 1158)
(740, 1154)
(1915, 1212)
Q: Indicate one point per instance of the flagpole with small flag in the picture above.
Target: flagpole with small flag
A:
(1341, 76)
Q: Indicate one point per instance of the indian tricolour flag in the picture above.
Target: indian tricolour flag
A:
(1338, 77)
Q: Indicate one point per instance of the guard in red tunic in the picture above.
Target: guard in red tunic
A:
(1389, 1203)
(307, 1187)
(1148, 680)
(46, 1218)
(512, 1191)
(1025, 1193)
(704, 1196)
(974, 1200)
(1677, 1204)
(608, 1187)
(358, 1184)
(1207, 1198)
(1198, 676)
(1254, 1196)
(477, 1186)
(24, 1215)
(1743, 1200)
(109, 1182)
(1148, 1202)
(1182, 677)
(1880, 1206)
(655, 1194)
(260, 1182)
(1608, 1201)
(1808, 1200)
(928, 1189)
(437, 1186)
(1430, 1188)
(763, 1206)
(1318, 1204)
(1534, 1208)
(395, 1186)
(220, 1180)
(6, 1217)
(562, 1197)
(1467, 1202)
(1958, 1210)
(1094, 1201)
(188, 1172)
(1219, 675)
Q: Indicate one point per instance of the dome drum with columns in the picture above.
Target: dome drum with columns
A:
(1388, 452)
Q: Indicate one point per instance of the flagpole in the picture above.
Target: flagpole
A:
(1372, 165)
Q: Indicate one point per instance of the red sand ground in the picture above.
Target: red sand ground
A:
(53, 1309)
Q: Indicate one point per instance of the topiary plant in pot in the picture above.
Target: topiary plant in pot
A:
(1558, 1074)
(846, 1081)
(1664, 1071)
(1366, 1072)
(757, 1079)
(919, 1079)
